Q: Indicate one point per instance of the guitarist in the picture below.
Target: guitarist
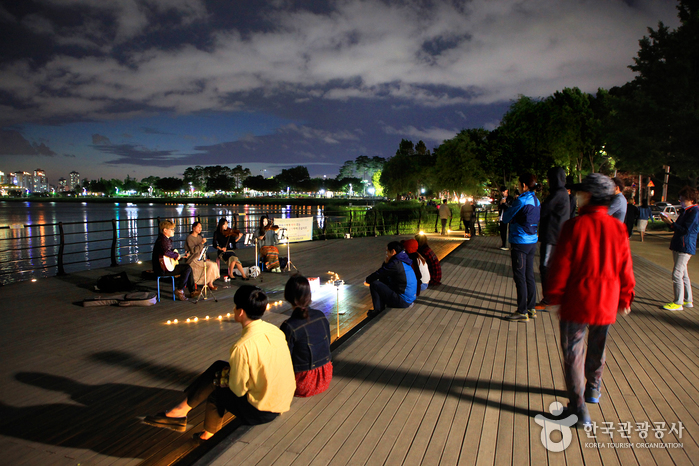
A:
(162, 251)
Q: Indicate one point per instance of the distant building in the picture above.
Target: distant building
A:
(62, 185)
(74, 179)
(2, 178)
(39, 182)
(22, 180)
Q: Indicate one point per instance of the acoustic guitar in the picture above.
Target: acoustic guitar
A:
(168, 263)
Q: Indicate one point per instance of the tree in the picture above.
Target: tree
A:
(169, 184)
(196, 176)
(260, 183)
(458, 168)
(239, 174)
(293, 177)
(406, 171)
(661, 105)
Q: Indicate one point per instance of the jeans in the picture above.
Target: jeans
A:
(545, 254)
(680, 278)
(186, 278)
(573, 345)
(444, 226)
(222, 399)
(523, 271)
(383, 296)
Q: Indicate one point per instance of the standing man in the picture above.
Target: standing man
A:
(632, 215)
(555, 211)
(394, 284)
(505, 203)
(617, 208)
(592, 281)
(467, 211)
(444, 215)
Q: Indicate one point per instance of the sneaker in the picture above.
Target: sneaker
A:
(592, 395)
(688, 304)
(517, 316)
(504, 249)
(541, 305)
(673, 307)
(532, 313)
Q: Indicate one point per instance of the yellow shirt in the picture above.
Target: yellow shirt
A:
(261, 368)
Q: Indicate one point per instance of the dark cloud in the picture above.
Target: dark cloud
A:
(154, 131)
(138, 155)
(13, 143)
(98, 139)
(69, 155)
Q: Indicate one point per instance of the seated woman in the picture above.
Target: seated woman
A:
(431, 258)
(204, 268)
(308, 335)
(267, 241)
(224, 246)
(256, 384)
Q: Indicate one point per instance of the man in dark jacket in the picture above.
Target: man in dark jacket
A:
(394, 284)
(555, 210)
(505, 203)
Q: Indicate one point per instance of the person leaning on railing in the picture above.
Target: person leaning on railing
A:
(163, 249)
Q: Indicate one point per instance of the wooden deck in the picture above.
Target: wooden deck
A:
(75, 382)
(449, 382)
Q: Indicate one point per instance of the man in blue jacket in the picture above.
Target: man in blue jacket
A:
(394, 284)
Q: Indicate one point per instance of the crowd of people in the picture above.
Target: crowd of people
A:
(585, 269)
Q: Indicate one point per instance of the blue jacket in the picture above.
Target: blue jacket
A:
(399, 276)
(523, 218)
(686, 227)
(308, 339)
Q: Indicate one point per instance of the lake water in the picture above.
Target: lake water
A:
(30, 234)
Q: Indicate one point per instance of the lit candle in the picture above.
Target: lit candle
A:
(175, 321)
(207, 317)
(168, 322)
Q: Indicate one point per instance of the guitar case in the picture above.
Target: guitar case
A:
(140, 298)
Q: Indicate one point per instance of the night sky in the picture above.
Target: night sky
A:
(151, 87)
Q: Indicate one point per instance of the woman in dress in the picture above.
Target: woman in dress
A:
(200, 268)
(224, 245)
(308, 335)
(267, 241)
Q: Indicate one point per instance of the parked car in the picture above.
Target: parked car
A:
(672, 211)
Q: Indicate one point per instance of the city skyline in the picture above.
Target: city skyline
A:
(149, 88)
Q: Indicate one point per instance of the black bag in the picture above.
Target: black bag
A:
(113, 283)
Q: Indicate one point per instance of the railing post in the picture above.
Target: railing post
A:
(419, 220)
(114, 242)
(325, 227)
(397, 224)
(350, 223)
(61, 246)
(376, 217)
(436, 221)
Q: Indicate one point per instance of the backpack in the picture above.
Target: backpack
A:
(113, 283)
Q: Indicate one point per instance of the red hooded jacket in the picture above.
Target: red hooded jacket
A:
(591, 275)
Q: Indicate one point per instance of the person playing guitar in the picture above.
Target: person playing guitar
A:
(163, 254)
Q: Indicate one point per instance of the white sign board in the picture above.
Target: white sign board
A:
(295, 229)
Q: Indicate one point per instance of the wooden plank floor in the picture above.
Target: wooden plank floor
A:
(75, 381)
(449, 382)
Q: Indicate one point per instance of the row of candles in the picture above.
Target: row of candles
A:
(228, 315)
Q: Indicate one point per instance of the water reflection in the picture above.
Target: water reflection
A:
(88, 231)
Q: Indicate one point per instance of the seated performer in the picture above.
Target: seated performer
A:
(224, 246)
(194, 245)
(255, 385)
(308, 335)
(163, 253)
(267, 241)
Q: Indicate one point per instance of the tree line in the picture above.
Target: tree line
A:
(636, 128)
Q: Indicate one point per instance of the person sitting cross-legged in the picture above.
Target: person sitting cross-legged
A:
(394, 284)
(256, 384)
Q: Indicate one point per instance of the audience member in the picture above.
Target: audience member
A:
(255, 385)
(431, 258)
(444, 215)
(308, 336)
(617, 208)
(422, 271)
(394, 284)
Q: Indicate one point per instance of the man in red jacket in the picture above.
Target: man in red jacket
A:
(591, 278)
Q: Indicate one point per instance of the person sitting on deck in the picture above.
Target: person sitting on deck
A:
(394, 284)
(163, 253)
(431, 258)
(422, 272)
(256, 384)
(308, 335)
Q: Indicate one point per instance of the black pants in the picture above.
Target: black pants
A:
(523, 271)
(382, 295)
(222, 399)
(503, 234)
(186, 278)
